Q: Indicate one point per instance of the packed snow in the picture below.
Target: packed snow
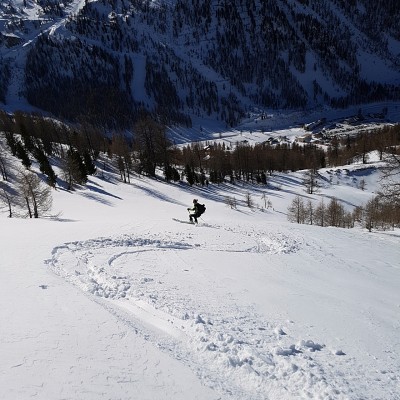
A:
(117, 297)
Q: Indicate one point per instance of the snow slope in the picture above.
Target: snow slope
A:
(113, 299)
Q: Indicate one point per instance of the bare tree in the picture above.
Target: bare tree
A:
(320, 214)
(311, 181)
(3, 164)
(35, 194)
(120, 148)
(249, 200)
(266, 200)
(7, 197)
(348, 220)
(230, 202)
(357, 215)
(309, 212)
(390, 181)
(334, 213)
(371, 211)
(296, 211)
(362, 184)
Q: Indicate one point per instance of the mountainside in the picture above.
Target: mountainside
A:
(110, 298)
(104, 61)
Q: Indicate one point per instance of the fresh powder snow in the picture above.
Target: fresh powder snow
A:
(112, 299)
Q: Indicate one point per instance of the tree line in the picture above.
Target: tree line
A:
(76, 150)
(149, 149)
(382, 211)
(378, 213)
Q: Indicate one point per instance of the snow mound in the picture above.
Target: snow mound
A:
(280, 243)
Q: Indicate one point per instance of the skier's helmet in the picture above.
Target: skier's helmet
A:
(194, 201)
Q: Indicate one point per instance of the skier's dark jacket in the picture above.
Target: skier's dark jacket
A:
(198, 209)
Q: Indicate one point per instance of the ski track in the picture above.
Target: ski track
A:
(131, 278)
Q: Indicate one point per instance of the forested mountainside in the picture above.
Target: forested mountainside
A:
(104, 61)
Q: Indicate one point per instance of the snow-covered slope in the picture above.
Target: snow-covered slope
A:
(113, 299)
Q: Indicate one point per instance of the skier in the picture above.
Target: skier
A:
(196, 210)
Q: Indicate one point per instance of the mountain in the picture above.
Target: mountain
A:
(105, 61)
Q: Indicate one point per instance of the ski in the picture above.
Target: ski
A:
(183, 222)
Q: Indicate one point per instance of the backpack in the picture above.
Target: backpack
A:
(201, 208)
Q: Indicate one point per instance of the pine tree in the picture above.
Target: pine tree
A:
(12, 142)
(45, 166)
(151, 143)
(74, 169)
(190, 175)
(22, 154)
(89, 164)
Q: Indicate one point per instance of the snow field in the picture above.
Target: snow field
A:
(188, 308)
(113, 299)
